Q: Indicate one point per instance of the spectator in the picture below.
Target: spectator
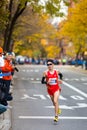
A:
(1, 62)
(7, 68)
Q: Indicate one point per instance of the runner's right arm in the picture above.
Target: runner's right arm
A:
(43, 80)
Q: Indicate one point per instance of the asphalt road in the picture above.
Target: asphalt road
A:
(33, 109)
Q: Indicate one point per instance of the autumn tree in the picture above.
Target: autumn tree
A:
(75, 27)
(3, 16)
(34, 27)
(16, 7)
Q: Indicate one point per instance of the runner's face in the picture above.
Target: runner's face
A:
(50, 65)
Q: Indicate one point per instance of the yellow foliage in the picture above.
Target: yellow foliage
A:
(16, 44)
(75, 27)
(70, 51)
(27, 52)
(23, 52)
(52, 51)
(43, 41)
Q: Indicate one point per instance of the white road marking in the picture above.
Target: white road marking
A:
(60, 97)
(41, 96)
(75, 89)
(76, 97)
(31, 70)
(25, 96)
(85, 83)
(36, 70)
(36, 82)
(38, 79)
(32, 78)
(62, 107)
(75, 79)
(84, 79)
(51, 117)
(66, 79)
(79, 105)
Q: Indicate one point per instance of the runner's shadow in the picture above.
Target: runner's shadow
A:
(55, 123)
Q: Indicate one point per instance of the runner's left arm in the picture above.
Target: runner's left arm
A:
(60, 75)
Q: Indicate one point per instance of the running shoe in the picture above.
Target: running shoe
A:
(56, 118)
(59, 111)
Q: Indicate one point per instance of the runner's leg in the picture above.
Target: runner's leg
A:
(52, 99)
(56, 104)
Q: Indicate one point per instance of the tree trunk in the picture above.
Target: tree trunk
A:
(8, 36)
(11, 23)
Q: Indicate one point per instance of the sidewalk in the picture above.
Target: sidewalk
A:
(5, 120)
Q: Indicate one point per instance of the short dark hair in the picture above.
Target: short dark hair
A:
(50, 60)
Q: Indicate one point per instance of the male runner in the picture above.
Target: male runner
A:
(50, 78)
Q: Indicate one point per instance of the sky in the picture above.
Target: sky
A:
(56, 20)
(59, 19)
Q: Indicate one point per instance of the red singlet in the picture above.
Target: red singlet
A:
(53, 86)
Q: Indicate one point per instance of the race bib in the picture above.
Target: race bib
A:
(53, 81)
